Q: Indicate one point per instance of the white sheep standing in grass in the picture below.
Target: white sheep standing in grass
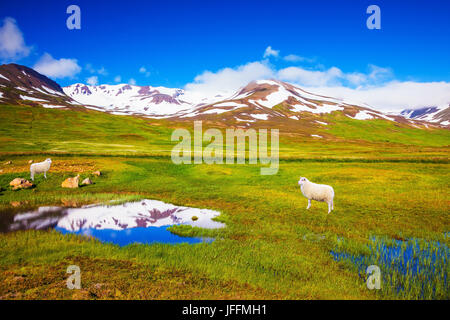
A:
(318, 192)
(40, 167)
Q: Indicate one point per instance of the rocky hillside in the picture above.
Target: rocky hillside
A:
(22, 85)
(259, 102)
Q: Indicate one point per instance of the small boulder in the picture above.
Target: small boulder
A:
(97, 173)
(71, 182)
(8, 162)
(20, 183)
(86, 181)
(26, 185)
(16, 182)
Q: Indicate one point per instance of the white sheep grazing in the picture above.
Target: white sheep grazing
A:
(318, 192)
(40, 167)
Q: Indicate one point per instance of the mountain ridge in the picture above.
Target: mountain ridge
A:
(258, 101)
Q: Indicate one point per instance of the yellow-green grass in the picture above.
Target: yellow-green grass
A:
(35, 130)
(272, 247)
(271, 240)
(379, 130)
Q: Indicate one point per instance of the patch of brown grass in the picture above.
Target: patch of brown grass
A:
(66, 165)
(118, 279)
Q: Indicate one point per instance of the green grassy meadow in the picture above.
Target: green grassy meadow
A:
(390, 181)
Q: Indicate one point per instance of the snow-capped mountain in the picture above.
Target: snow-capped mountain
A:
(258, 101)
(270, 99)
(440, 115)
(128, 99)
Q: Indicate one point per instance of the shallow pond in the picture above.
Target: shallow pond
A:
(144, 221)
(411, 269)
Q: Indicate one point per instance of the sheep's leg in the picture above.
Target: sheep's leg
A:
(330, 206)
(309, 204)
(45, 174)
(32, 176)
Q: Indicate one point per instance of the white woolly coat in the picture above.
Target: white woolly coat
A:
(40, 167)
(317, 192)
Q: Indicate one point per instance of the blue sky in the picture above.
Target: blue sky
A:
(175, 41)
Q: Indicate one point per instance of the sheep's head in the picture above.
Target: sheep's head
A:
(302, 181)
(48, 160)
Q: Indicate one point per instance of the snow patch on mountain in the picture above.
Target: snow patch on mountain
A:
(218, 111)
(230, 104)
(325, 108)
(362, 115)
(51, 106)
(260, 116)
(32, 99)
(434, 114)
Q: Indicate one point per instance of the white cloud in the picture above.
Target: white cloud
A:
(310, 78)
(53, 68)
(93, 81)
(379, 73)
(294, 58)
(117, 78)
(393, 95)
(355, 78)
(376, 87)
(132, 82)
(102, 71)
(89, 68)
(270, 52)
(229, 79)
(12, 43)
(144, 71)
(334, 76)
